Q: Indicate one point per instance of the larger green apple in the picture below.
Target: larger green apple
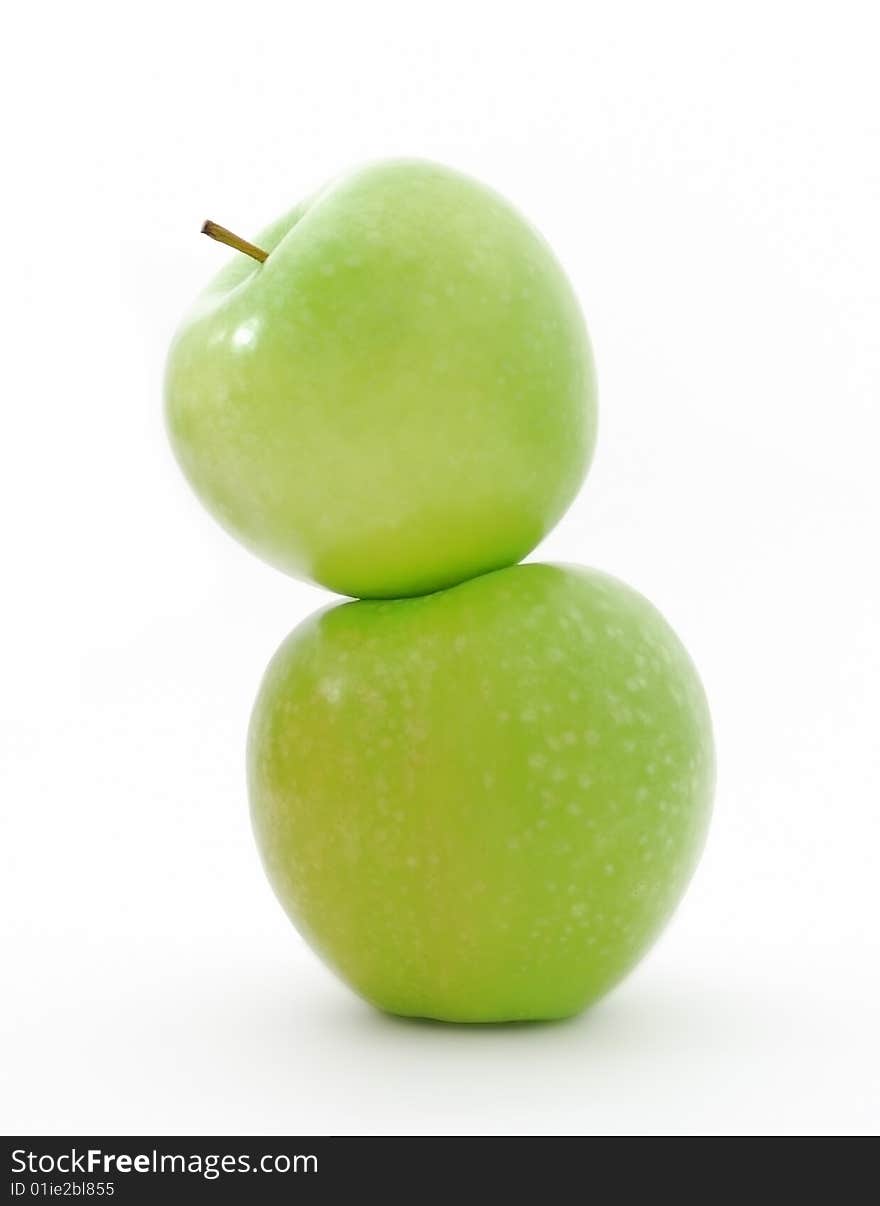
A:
(402, 396)
(482, 805)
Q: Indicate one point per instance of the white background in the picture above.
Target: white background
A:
(710, 176)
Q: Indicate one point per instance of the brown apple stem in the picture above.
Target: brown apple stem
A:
(222, 235)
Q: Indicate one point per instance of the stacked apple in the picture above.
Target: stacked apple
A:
(480, 790)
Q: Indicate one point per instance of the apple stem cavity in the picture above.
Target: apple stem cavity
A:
(222, 235)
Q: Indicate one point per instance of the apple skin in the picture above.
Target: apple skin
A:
(482, 805)
(401, 397)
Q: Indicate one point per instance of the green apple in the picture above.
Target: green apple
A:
(482, 805)
(400, 397)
